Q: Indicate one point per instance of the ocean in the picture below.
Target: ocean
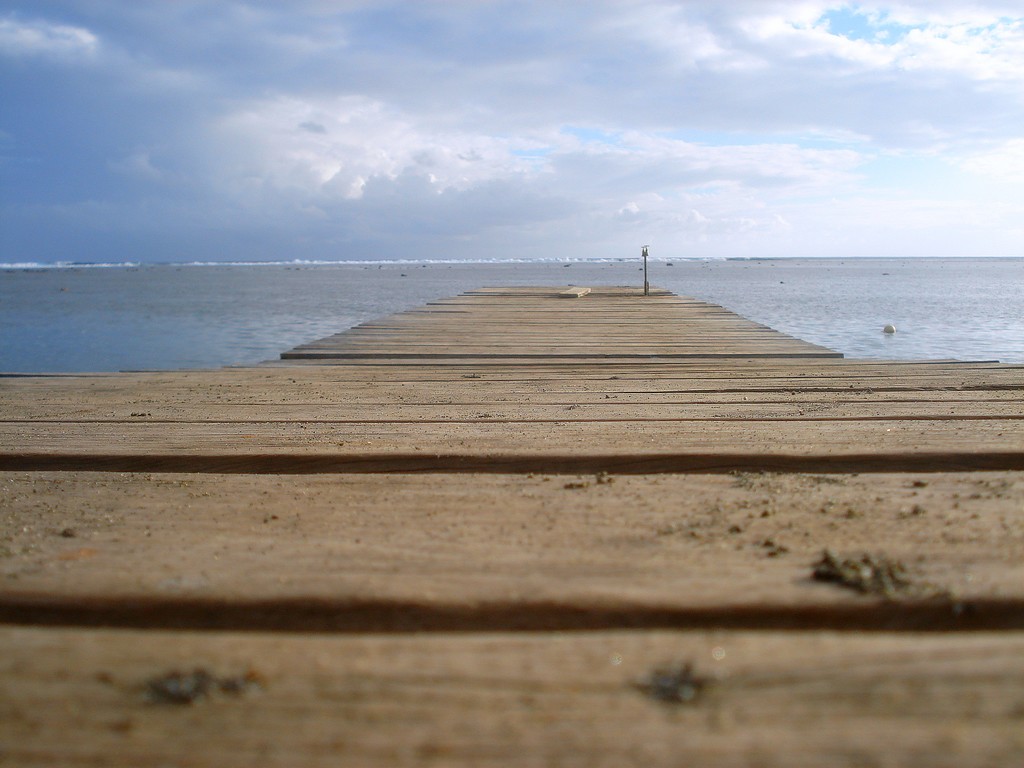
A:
(173, 316)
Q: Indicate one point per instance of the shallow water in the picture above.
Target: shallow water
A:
(169, 317)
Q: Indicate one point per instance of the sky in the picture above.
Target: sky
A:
(234, 130)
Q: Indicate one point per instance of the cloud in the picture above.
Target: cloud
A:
(1004, 162)
(748, 124)
(334, 146)
(139, 165)
(45, 39)
(371, 156)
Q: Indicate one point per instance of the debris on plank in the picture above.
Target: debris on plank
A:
(675, 683)
(183, 688)
(868, 574)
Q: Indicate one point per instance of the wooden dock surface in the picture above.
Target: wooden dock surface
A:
(524, 323)
(517, 527)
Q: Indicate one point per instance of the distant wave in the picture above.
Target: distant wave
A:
(30, 265)
(69, 265)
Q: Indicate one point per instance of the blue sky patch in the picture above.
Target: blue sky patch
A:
(593, 135)
(854, 24)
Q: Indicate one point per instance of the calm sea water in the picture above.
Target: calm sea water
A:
(169, 317)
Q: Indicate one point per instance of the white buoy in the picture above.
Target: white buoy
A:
(889, 329)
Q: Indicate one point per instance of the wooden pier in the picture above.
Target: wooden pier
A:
(521, 526)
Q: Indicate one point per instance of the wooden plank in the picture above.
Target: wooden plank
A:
(79, 698)
(502, 445)
(614, 405)
(488, 552)
(340, 384)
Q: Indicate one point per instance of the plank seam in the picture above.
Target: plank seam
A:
(560, 464)
(395, 616)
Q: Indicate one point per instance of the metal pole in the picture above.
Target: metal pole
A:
(647, 286)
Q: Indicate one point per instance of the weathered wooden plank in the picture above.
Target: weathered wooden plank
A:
(88, 697)
(550, 407)
(631, 409)
(280, 384)
(493, 443)
(492, 551)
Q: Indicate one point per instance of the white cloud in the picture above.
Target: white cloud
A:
(981, 41)
(794, 36)
(319, 151)
(333, 146)
(139, 165)
(1004, 163)
(43, 38)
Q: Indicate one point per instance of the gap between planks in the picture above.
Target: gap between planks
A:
(552, 464)
(397, 616)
